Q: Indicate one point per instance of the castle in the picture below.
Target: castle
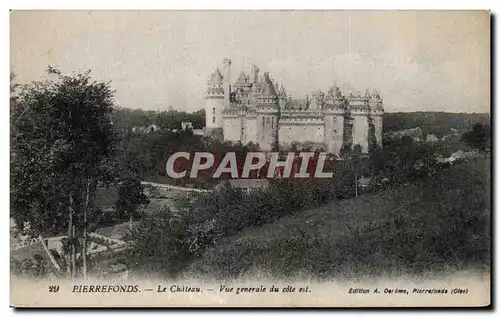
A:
(256, 110)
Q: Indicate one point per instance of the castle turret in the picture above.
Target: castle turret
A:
(376, 114)
(254, 72)
(317, 101)
(268, 112)
(282, 99)
(227, 81)
(242, 78)
(214, 101)
(360, 111)
(334, 111)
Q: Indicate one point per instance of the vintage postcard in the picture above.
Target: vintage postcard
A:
(250, 159)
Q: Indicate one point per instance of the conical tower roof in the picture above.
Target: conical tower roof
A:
(268, 88)
(216, 76)
(282, 90)
(242, 77)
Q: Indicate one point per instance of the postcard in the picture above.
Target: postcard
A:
(250, 158)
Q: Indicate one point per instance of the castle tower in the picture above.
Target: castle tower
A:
(317, 100)
(214, 104)
(333, 111)
(227, 81)
(268, 112)
(254, 72)
(360, 111)
(282, 99)
(376, 113)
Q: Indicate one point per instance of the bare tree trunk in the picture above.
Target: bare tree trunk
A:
(130, 222)
(84, 247)
(70, 236)
(356, 183)
(73, 257)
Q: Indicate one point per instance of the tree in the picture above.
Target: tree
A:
(357, 164)
(62, 149)
(130, 197)
(354, 159)
(437, 123)
(479, 137)
(160, 243)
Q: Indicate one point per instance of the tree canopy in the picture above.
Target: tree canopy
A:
(63, 149)
(479, 137)
(61, 136)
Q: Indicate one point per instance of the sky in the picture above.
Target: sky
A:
(418, 60)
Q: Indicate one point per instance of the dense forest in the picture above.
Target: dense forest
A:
(124, 118)
(146, 153)
(437, 123)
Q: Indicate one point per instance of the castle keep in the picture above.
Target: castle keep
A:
(254, 109)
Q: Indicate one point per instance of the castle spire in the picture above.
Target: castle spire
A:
(216, 76)
(254, 72)
(282, 90)
(242, 77)
(227, 81)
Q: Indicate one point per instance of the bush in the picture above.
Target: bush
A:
(201, 221)
(168, 239)
(230, 210)
(437, 224)
(100, 241)
(160, 243)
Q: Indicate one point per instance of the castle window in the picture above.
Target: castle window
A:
(213, 110)
(213, 119)
(272, 123)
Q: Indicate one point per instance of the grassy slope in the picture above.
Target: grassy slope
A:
(433, 224)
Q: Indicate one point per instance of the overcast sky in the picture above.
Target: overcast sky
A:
(434, 61)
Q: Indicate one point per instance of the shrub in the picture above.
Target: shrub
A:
(160, 243)
(201, 221)
(434, 225)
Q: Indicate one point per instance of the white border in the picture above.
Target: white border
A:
(194, 5)
(252, 5)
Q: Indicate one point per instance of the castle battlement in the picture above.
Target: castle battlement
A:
(266, 109)
(254, 109)
(214, 95)
(234, 112)
(301, 123)
(306, 112)
(296, 116)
